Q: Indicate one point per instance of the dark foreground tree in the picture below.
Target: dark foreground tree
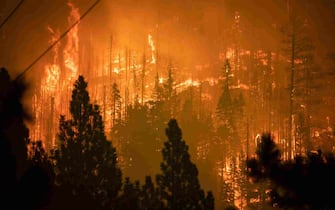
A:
(36, 185)
(129, 197)
(25, 182)
(14, 137)
(303, 183)
(86, 161)
(178, 181)
(150, 196)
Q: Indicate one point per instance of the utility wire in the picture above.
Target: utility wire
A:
(12, 13)
(58, 40)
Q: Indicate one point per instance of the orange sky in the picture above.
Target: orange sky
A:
(190, 30)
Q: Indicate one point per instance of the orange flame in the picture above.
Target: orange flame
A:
(52, 71)
(52, 77)
(50, 100)
(71, 49)
(152, 45)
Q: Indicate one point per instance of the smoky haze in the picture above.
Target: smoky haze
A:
(196, 36)
(190, 31)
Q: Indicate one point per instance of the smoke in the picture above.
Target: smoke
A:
(186, 31)
(190, 32)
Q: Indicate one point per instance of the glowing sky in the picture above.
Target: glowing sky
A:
(196, 28)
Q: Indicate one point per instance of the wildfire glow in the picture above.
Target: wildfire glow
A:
(186, 84)
(71, 48)
(229, 53)
(116, 70)
(151, 43)
(180, 71)
(52, 77)
(52, 71)
(51, 99)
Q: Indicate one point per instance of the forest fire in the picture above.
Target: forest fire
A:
(50, 99)
(52, 70)
(152, 45)
(128, 69)
(71, 51)
(226, 71)
(134, 74)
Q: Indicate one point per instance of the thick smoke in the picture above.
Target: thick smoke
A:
(190, 32)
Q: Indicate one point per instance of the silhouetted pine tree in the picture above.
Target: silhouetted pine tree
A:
(37, 184)
(14, 134)
(299, 48)
(200, 134)
(169, 94)
(129, 197)
(140, 146)
(14, 137)
(157, 119)
(157, 113)
(209, 203)
(232, 207)
(150, 196)
(116, 104)
(25, 182)
(85, 159)
(302, 183)
(228, 110)
(169, 85)
(7, 155)
(179, 178)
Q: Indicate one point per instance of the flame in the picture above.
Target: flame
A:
(53, 95)
(152, 45)
(116, 70)
(52, 78)
(71, 49)
(188, 83)
(230, 53)
(52, 71)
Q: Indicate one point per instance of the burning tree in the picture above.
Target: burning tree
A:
(300, 50)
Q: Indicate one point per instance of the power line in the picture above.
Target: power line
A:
(13, 11)
(58, 40)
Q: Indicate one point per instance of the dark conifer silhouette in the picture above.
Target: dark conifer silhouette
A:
(129, 197)
(116, 105)
(36, 186)
(170, 94)
(150, 196)
(85, 160)
(303, 183)
(179, 178)
(14, 133)
(231, 208)
(141, 143)
(229, 111)
(7, 156)
(209, 201)
(14, 136)
(25, 182)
